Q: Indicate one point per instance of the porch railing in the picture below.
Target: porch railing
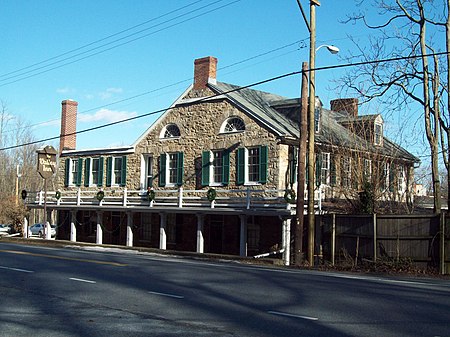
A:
(180, 198)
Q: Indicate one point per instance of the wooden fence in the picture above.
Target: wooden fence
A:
(425, 239)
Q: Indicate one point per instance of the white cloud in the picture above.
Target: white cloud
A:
(65, 90)
(110, 92)
(106, 115)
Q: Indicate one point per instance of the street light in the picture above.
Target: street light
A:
(332, 49)
(311, 125)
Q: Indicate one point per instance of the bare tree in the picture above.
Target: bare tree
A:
(414, 77)
(17, 163)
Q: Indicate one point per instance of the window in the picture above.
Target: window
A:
(170, 131)
(74, 169)
(253, 235)
(116, 171)
(378, 134)
(346, 172)
(233, 124)
(252, 165)
(97, 171)
(148, 171)
(171, 228)
(73, 172)
(325, 169)
(215, 167)
(146, 229)
(367, 170)
(400, 179)
(317, 119)
(171, 169)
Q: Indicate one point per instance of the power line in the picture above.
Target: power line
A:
(34, 73)
(227, 92)
(299, 42)
(99, 40)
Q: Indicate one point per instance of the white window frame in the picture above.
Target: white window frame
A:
(213, 167)
(146, 164)
(164, 130)
(73, 170)
(325, 168)
(226, 122)
(378, 134)
(170, 158)
(113, 171)
(346, 172)
(367, 169)
(247, 166)
(91, 171)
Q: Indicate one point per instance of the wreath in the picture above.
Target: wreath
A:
(211, 194)
(289, 196)
(151, 194)
(58, 195)
(100, 195)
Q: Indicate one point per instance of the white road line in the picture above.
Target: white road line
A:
(167, 295)
(81, 280)
(17, 269)
(292, 315)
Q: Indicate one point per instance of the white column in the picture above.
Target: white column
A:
(129, 229)
(243, 238)
(200, 238)
(47, 231)
(286, 233)
(162, 232)
(73, 228)
(99, 239)
(25, 228)
(48, 234)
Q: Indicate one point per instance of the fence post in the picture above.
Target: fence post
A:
(333, 238)
(180, 197)
(442, 244)
(374, 237)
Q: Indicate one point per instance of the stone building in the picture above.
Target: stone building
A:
(211, 174)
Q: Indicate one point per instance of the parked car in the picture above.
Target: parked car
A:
(5, 229)
(38, 229)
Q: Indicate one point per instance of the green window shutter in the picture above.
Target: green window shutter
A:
(240, 166)
(263, 159)
(67, 172)
(226, 167)
(162, 170)
(205, 167)
(318, 168)
(123, 172)
(100, 171)
(87, 171)
(333, 179)
(108, 171)
(80, 171)
(180, 168)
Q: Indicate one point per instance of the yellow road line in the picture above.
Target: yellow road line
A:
(64, 258)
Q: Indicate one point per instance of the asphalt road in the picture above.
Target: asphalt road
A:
(71, 292)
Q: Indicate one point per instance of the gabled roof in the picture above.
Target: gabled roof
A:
(280, 114)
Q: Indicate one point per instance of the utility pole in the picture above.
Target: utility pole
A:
(303, 128)
(311, 130)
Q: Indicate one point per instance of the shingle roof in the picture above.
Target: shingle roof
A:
(280, 114)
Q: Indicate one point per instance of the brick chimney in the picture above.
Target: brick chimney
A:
(348, 105)
(204, 71)
(68, 125)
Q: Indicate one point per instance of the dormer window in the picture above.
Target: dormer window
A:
(170, 131)
(378, 134)
(233, 124)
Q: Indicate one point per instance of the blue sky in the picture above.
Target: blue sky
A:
(122, 59)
